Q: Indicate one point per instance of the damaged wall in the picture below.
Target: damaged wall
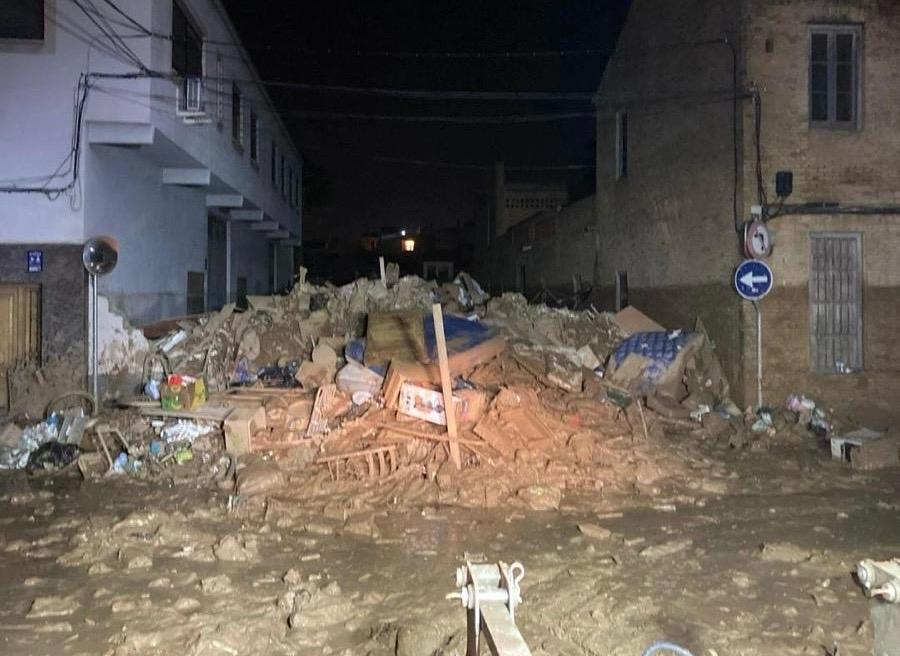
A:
(122, 350)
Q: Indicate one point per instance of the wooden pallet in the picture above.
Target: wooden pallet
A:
(381, 461)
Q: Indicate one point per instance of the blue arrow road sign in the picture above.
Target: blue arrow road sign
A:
(753, 279)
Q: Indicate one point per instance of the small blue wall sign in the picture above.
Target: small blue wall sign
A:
(753, 279)
(35, 261)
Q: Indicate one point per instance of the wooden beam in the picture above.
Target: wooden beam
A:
(445, 383)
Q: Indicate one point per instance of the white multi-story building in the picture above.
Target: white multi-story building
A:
(143, 120)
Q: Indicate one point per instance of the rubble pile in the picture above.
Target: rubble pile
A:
(277, 334)
(351, 382)
(343, 385)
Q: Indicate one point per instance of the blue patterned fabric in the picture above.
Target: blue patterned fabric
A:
(661, 348)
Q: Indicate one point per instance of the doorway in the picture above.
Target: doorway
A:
(20, 330)
(216, 264)
(196, 292)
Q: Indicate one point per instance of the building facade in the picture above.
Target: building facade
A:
(701, 105)
(145, 121)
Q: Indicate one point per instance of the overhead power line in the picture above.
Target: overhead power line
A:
(485, 120)
(481, 167)
(421, 94)
(391, 54)
(474, 119)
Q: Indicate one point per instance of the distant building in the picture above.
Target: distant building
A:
(154, 130)
(516, 201)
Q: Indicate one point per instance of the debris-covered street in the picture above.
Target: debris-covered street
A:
(463, 328)
(263, 516)
(746, 554)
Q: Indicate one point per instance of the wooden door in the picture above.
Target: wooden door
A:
(20, 330)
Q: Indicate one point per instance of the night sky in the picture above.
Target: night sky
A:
(285, 40)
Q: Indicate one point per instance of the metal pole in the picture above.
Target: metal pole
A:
(95, 356)
(275, 267)
(759, 355)
(228, 298)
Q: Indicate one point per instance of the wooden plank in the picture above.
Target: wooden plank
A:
(395, 336)
(459, 363)
(445, 382)
(203, 413)
(433, 437)
(353, 454)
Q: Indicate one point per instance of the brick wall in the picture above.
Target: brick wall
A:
(849, 167)
(669, 222)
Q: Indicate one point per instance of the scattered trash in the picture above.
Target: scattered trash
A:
(30, 439)
(184, 431)
(52, 456)
(809, 414)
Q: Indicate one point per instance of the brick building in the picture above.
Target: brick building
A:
(695, 90)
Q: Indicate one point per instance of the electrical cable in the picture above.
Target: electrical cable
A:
(131, 20)
(117, 45)
(419, 94)
(486, 119)
(73, 158)
(735, 139)
(757, 142)
(469, 120)
(77, 33)
(108, 29)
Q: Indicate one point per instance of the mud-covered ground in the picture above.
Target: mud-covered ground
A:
(754, 558)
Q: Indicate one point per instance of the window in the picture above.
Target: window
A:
(237, 115)
(22, 19)
(187, 45)
(621, 290)
(834, 76)
(290, 186)
(835, 320)
(283, 186)
(220, 91)
(274, 163)
(254, 137)
(621, 145)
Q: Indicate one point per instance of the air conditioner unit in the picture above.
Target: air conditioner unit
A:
(189, 97)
